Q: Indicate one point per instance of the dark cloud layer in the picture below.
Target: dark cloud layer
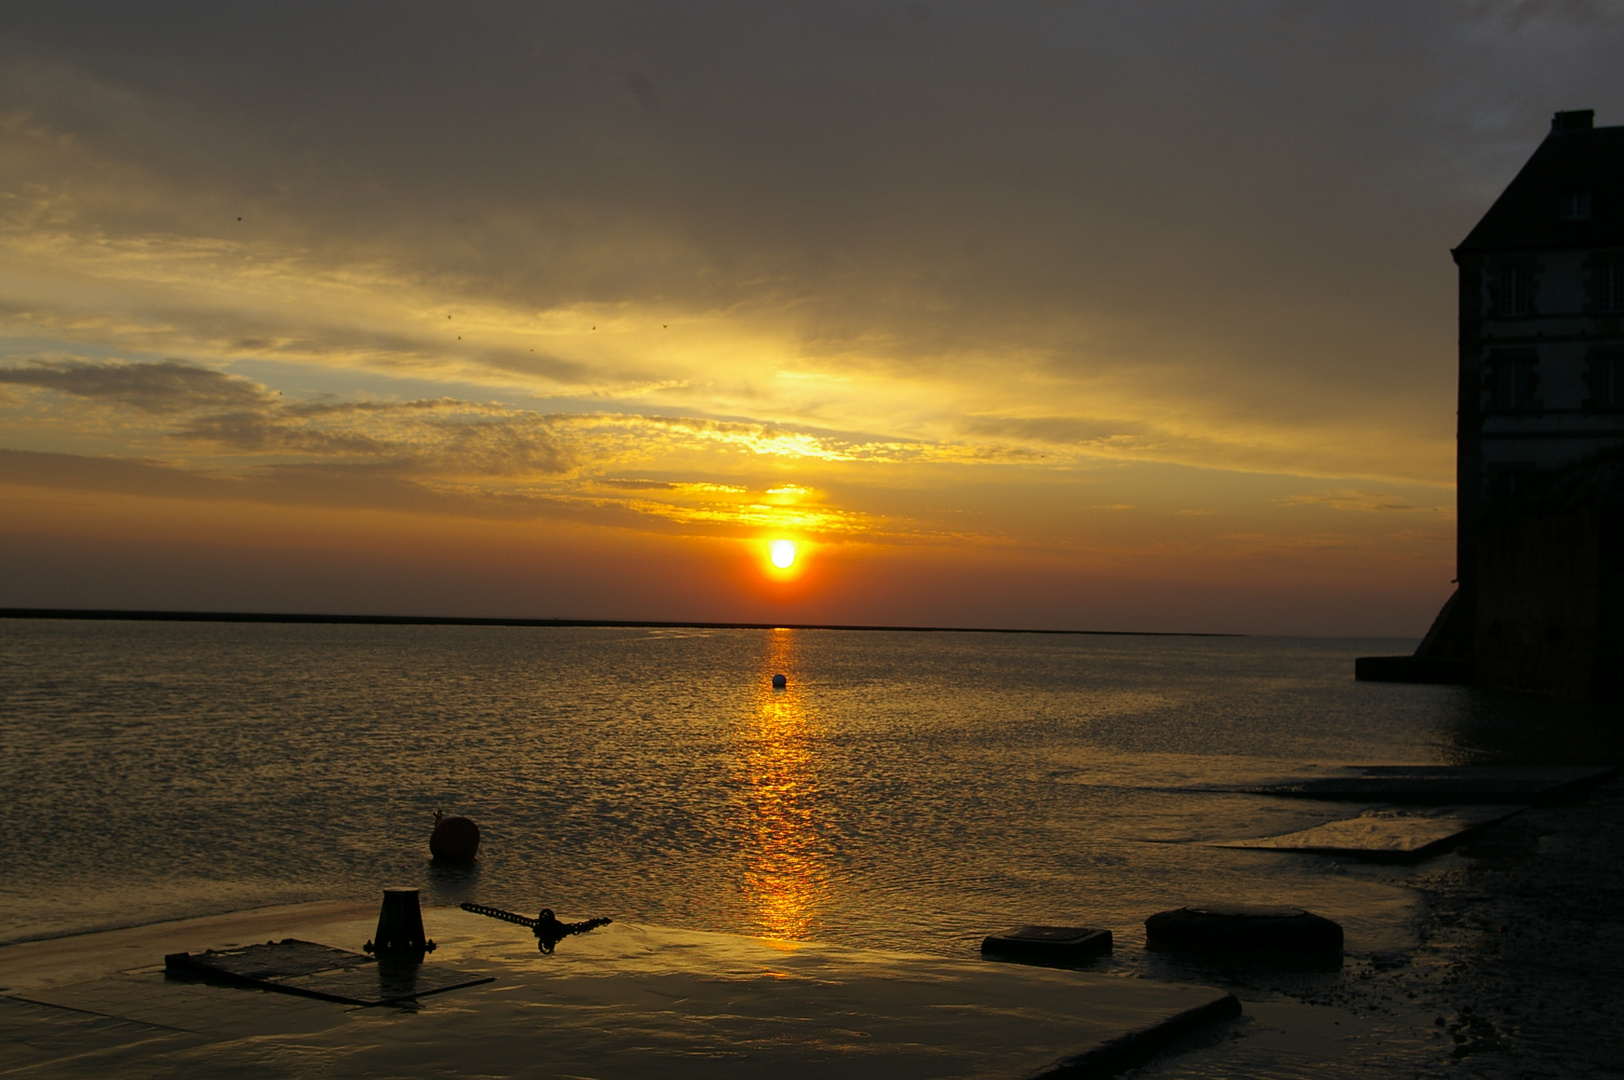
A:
(346, 486)
(1262, 192)
(155, 388)
(438, 437)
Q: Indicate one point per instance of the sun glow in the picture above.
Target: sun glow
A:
(783, 553)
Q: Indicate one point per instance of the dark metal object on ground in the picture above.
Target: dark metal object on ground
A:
(548, 930)
(291, 966)
(1048, 944)
(400, 928)
(1260, 932)
(498, 913)
(454, 839)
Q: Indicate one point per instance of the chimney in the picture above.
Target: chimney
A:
(1577, 120)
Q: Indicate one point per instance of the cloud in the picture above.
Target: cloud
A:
(1064, 430)
(1370, 502)
(127, 476)
(1236, 214)
(346, 486)
(166, 387)
(444, 454)
(231, 413)
(386, 486)
(638, 485)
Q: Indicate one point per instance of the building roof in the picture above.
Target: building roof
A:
(1569, 195)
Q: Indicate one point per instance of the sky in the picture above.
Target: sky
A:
(1095, 315)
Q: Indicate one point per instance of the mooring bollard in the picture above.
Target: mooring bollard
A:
(400, 928)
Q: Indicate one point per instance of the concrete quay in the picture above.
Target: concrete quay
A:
(623, 1001)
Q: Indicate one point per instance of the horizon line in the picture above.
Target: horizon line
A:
(137, 615)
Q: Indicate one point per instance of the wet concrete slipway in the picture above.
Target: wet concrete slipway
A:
(1515, 969)
(623, 1001)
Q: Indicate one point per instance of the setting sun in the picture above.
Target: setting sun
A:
(783, 553)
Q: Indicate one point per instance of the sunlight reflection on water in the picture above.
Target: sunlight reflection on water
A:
(904, 790)
(784, 874)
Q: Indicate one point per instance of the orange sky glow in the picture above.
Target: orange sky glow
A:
(998, 328)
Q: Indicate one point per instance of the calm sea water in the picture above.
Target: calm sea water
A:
(909, 790)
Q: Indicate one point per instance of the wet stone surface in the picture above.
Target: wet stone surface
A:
(1445, 784)
(628, 1001)
(1517, 971)
(1525, 943)
(1390, 834)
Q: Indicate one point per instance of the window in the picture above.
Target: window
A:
(1574, 206)
(1610, 285)
(1513, 298)
(1513, 380)
(1607, 380)
(1510, 478)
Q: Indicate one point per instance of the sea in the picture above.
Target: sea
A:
(905, 790)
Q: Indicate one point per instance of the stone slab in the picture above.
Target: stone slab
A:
(1440, 785)
(623, 1001)
(292, 966)
(1058, 945)
(1388, 834)
(272, 960)
(1260, 932)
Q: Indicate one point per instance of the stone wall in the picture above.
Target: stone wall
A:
(1549, 605)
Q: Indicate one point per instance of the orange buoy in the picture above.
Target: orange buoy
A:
(454, 839)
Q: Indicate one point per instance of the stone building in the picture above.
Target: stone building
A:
(1540, 435)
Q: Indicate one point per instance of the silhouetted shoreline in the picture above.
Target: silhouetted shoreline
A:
(112, 614)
